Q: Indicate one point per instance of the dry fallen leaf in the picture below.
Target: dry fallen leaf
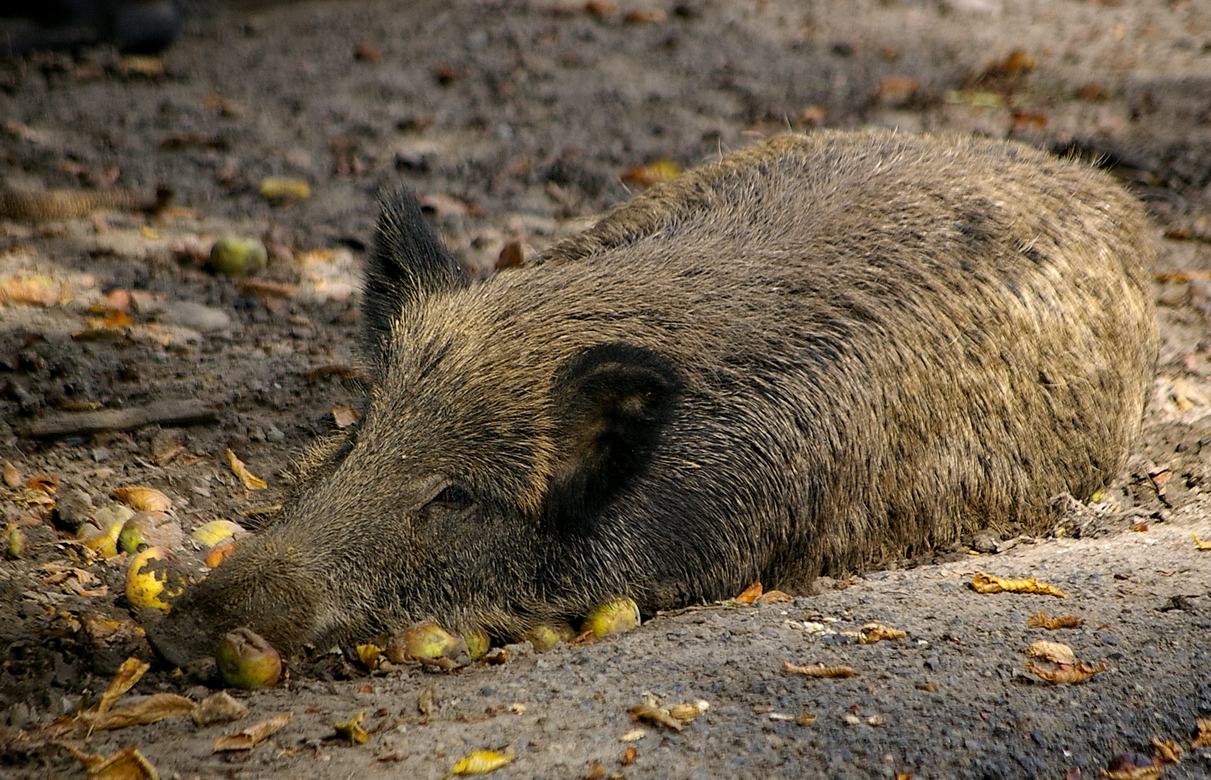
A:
(1056, 652)
(126, 764)
(633, 735)
(35, 290)
(253, 735)
(153, 709)
(1203, 739)
(238, 468)
(689, 710)
(877, 632)
(1146, 772)
(144, 499)
(750, 594)
(819, 670)
(12, 476)
(651, 713)
(480, 762)
(1041, 620)
(1167, 751)
(990, 583)
(352, 729)
(1199, 544)
(1064, 676)
(218, 707)
(129, 673)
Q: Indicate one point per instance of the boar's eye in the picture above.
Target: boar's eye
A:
(452, 497)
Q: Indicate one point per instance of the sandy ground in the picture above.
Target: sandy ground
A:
(519, 121)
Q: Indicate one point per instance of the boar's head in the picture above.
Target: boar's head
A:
(461, 494)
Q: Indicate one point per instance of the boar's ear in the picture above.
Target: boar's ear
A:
(610, 404)
(408, 262)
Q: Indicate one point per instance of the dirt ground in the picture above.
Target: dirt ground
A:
(518, 121)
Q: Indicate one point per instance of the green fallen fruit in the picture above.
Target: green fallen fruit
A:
(234, 256)
(620, 614)
(546, 636)
(246, 660)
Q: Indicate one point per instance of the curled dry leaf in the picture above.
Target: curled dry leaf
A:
(1199, 544)
(129, 673)
(877, 632)
(218, 708)
(1056, 652)
(750, 594)
(480, 762)
(253, 735)
(126, 764)
(12, 475)
(153, 709)
(1203, 739)
(1065, 676)
(775, 597)
(651, 713)
(819, 670)
(352, 729)
(144, 499)
(1127, 770)
(1168, 752)
(238, 468)
(689, 710)
(990, 583)
(1041, 620)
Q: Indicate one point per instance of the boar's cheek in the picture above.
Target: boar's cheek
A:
(610, 404)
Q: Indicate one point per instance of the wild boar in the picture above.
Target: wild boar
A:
(803, 358)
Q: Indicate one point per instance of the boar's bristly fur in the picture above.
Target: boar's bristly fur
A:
(804, 358)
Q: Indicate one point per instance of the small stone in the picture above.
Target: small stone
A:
(194, 315)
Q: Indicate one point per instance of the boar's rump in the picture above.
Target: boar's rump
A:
(803, 358)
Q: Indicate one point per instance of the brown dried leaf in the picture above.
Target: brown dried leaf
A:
(253, 735)
(129, 673)
(154, 708)
(689, 710)
(42, 483)
(1056, 652)
(877, 632)
(12, 475)
(990, 583)
(1167, 751)
(218, 708)
(819, 670)
(344, 415)
(144, 499)
(651, 713)
(1203, 739)
(1040, 620)
(126, 764)
(1064, 676)
(750, 594)
(238, 468)
(775, 597)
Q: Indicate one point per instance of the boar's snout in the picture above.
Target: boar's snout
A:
(266, 586)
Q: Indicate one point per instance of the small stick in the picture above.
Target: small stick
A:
(182, 412)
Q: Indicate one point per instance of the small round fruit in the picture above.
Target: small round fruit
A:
(620, 614)
(478, 643)
(233, 256)
(427, 640)
(154, 579)
(216, 531)
(546, 636)
(246, 660)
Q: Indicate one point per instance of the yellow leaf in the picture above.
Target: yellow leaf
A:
(251, 481)
(480, 762)
(990, 583)
(129, 673)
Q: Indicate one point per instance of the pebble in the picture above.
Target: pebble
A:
(206, 319)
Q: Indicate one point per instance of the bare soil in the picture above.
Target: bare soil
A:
(519, 121)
